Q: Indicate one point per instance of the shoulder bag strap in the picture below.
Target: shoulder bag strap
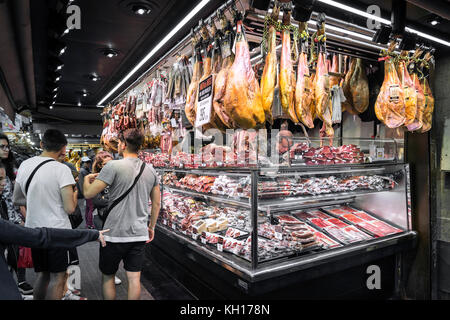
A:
(118, 200)
(34, 172)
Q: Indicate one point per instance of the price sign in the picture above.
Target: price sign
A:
(164, 222)
(205, 92)
(220, 244)
(380, 153)
(174, 227)
(194, 233)
(173, 122)
(203, 239)
(279, 232)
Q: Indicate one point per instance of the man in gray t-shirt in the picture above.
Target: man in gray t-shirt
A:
(128, 220)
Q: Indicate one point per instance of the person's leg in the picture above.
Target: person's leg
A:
(40, 286)
(88, 213)
(108, 287)
(134, 285)
(55, 289)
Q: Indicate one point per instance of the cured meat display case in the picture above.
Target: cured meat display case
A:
(259, 230)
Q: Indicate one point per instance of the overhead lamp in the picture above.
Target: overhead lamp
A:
(434, 20)
(83, 93)
(140, 8)
(180, 25)
(109, 52)
(79, 104)
(51, 107)
(55, 64)
(385, 21)
(94, 77)
(57, 48)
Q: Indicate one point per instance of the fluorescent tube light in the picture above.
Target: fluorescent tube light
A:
(370, 16)
(155, 49)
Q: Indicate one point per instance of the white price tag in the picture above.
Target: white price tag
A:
(380, 153)
(183, 232)
(173, 122)
(203, 240)
(174, 226)
(278, 236)
(116, 117)
(164, 222)
(220, 247)
(195, 236)
(205, 91)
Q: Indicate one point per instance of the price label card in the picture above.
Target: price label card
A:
(173, 122)
(194, 233)
(203, 238)
(164, 222)
(279, 232)
(116, 117)
(220, 244)
(183, 232)
(380, 153)
(174, 227)
(205, 91)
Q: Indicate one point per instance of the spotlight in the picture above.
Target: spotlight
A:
(140, 9)
(55, 64)
(109, 52)
(79, 104)
(434, 20)
(94, 77)
(57, 48)
(51, 107)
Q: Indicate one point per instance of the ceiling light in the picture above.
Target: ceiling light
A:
(79, 104)
(51, 107)
(57, 48)
(109, 52)
(140, 8)
(94, 77)
(186, 19)
(55, 89)
(385, 21)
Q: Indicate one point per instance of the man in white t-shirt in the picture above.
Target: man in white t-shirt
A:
(50, 196)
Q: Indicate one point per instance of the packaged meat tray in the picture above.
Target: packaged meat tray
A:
(340, 235)
(302, 215)
(352, 218)
(319, 214)
(338, 223)
(235, 233)
(384, 227)
(286, 219)
(338, 211)
(367, 226)
(321, 223)
(349, 209)
(364, 216)
(356, 233)
(326, 241)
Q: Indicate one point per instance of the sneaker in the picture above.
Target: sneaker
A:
(70, 296)
(25, 288)
(117, 281)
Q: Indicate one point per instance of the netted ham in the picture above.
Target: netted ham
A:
(242, 102)
(390, 104)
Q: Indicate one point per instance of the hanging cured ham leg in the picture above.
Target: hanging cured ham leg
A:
(269, 77)
(287, 75)
(304, 95)
(429, 108)
(191, 97)
(322, 92)
(390, 104)
(359, 87)
(409, 92)
(242, 100)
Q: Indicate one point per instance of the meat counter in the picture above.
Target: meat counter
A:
(258, 231)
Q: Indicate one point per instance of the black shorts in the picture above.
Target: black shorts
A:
(131, 253)
(53, 260)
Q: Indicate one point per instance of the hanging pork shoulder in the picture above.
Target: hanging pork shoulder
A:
(242, 100)
(347, 105)
(390, 104)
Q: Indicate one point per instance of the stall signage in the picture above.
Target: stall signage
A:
(205, 93)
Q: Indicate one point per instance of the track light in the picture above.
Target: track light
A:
(109, 52)
(140, 8)
(57, 48)
(94, 77)
(55, 64)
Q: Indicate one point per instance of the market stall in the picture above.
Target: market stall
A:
(279, 137)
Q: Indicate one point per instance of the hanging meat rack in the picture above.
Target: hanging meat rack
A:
(343, 38)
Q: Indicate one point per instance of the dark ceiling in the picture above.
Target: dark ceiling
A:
(104, 24)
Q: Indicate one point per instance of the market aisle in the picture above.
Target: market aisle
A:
(91, 275)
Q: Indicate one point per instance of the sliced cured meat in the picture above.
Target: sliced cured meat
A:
(384, 227)
(367, 226)
(338, 223)
(363, 216)
(357, 234)
(352, 218)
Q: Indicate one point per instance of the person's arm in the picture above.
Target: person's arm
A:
(93, 187)
(69, 196)
(47, 237)
(155, 196)
(19, 198)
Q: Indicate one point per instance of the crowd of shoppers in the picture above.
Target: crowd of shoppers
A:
(46, 192)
